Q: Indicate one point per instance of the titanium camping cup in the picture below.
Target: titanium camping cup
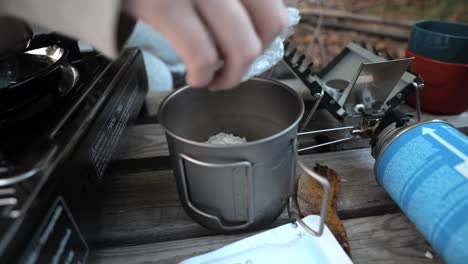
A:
(236, 187)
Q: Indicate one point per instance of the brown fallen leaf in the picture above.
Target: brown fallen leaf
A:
(309, 198)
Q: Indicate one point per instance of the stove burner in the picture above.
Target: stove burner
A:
(32, 82)
(359, 87)
(356, 84)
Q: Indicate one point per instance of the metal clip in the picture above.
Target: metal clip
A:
(186, 196)
(318, 98)
(323, 210)
(418, 86)
(353, 130)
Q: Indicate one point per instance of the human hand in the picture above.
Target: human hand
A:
(217, 40)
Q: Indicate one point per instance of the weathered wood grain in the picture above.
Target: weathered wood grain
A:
(379, 239)
(145, 206)
(142, 141)
(360, 193)
(142, 207)
(148, 141)
(390, 238)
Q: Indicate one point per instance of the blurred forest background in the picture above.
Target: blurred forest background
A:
(327, 26)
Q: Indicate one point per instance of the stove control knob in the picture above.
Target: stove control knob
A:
(8, 202)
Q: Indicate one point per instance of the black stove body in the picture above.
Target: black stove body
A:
(51, 165)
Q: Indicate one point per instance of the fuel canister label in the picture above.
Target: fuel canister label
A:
(58, 239)
(425, 171)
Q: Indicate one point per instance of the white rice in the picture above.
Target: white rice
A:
(225, 139)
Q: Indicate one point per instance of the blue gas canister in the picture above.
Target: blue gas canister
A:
(424, 168)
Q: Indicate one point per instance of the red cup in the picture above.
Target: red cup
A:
(445, 85)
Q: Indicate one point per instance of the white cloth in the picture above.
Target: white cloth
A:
(154, 43)
(160, 58)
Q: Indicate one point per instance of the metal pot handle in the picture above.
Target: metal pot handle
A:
(326, 197)
(69, 78)
(247, 164)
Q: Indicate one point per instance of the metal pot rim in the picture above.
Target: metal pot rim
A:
(55, 53)
(249, 143)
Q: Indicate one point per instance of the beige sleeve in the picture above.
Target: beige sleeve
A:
(94, 21)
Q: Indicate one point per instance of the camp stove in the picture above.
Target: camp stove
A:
(359, 87)
(416, 163)
(55, 148)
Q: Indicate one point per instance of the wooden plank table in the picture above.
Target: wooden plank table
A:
(143, 221)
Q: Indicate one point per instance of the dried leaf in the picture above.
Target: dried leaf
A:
(309, 197)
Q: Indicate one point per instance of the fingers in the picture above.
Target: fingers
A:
(206, 32)
(235, 37)
(179, 22)
(269, 17)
